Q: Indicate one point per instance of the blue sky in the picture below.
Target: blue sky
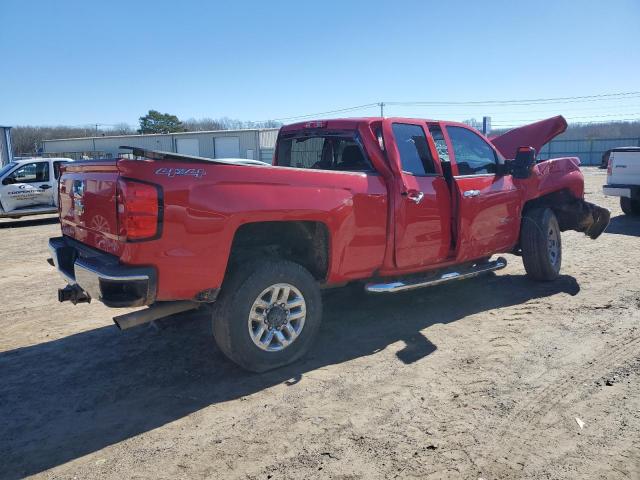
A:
(85, 62)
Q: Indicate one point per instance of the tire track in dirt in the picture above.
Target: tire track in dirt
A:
(528, 416)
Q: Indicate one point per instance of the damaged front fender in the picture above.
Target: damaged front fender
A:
(582, 216)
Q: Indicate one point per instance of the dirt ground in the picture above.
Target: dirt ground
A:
(479, 379)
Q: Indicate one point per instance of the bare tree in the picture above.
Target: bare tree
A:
(193, 125)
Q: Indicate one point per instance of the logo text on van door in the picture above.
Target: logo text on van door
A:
(181, 172)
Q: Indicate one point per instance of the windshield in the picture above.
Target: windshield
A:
(8, 167)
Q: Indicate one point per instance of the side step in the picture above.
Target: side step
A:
(448, 276)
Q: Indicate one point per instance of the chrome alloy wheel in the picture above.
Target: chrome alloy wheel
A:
(277, 317)
(553, 245)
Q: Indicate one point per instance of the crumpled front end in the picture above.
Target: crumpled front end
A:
(582, 216)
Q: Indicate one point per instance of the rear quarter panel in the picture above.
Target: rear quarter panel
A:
(202, 214)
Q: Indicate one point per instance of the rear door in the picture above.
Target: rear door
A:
(422, 203)
(88, 208)
(489, 205)
(29, 185)
(625, 167)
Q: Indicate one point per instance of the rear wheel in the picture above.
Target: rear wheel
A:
(630, 206)
(541, 244)
(268, 314)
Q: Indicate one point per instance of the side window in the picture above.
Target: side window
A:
(31, 173)
(441, 144)
(305, 152)
(348, 157)
(473, 155)
(414, 149)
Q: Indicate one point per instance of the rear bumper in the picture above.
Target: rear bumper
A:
(631, 191)
(101, 276)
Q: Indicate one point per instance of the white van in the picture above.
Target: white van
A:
(29, 186)
(623, 178)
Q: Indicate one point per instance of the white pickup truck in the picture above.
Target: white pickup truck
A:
(623, 178)
(29, 186)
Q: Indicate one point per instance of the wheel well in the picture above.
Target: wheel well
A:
(306, 243)
(561, 202)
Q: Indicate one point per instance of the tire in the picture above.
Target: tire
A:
(246, 341)
(541, 244)
(630, 206)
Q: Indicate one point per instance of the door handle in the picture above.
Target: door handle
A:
(471, 193)
(45, 187)
(414, 195)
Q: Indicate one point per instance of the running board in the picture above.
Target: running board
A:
(27, 212)
(449, 276)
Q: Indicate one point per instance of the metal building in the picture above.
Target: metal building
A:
(256, 144)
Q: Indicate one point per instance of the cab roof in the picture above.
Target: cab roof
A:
(353, 123)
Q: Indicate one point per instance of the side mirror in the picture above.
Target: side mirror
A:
(520, 167)
(8, 181)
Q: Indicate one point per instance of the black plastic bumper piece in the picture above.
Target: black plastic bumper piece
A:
(100, 276)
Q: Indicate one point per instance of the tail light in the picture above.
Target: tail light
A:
(139, 210)
(609, 166)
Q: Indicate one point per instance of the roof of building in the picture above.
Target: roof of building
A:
(139, 135)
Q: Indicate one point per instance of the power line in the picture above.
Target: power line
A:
(574, 118)
(530, 101)
(613, 120)
(340, 110)
(473, 108)
(496, 103)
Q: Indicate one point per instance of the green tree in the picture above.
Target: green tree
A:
(156, 122)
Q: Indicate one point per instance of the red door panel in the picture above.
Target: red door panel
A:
(422, 229)
(488, 203)
(489, 215)
(422, 200)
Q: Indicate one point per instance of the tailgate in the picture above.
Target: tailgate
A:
(88, 211)
(625, 168)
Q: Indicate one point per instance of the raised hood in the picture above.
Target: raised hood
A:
(533, 135)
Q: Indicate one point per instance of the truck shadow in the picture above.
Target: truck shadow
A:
(28, 223)
(70, 397)
(624, 225)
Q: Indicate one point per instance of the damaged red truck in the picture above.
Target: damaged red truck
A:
(391, 204)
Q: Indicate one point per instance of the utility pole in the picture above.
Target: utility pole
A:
(381, 109)
(96, 129)
(486, 125)
(6, 151)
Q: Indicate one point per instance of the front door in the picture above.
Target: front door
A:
(489, 205)
(28, 186)
(421, 196)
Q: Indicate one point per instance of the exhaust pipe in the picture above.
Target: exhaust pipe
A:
(154, 312)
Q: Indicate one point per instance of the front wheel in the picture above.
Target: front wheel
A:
(267, 315)
(630, 206)
(541, 244)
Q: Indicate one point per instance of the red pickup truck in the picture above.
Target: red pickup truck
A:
(391, 204)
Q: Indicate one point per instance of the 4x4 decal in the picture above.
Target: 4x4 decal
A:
(181, 172)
